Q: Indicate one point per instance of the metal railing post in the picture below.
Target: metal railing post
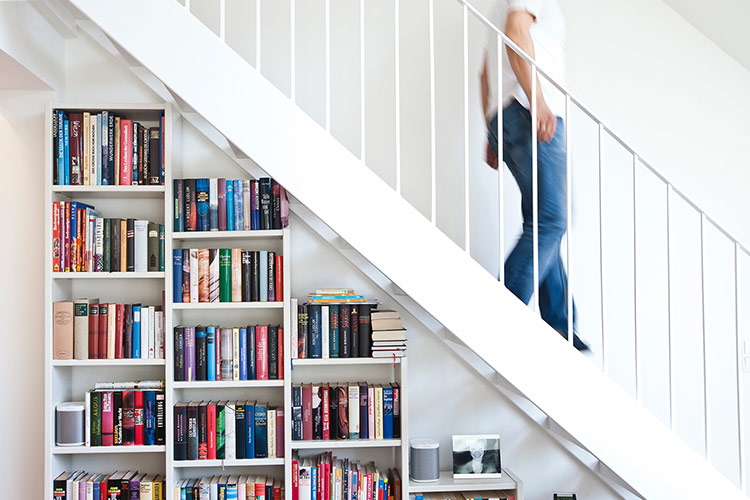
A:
(500, 160)
(467, 199)
(433, 160)
(569, 218)
(534, 186)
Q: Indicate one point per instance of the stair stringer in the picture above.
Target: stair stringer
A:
(260, 121)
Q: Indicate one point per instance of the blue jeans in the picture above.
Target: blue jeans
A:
(551, 166)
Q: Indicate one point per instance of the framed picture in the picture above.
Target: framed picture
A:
(564, 496)
(476, 455)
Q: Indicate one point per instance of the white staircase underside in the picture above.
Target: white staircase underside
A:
(260, 121)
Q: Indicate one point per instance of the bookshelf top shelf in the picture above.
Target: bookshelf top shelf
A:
(447, 483)
(227, 235)
(111, 191)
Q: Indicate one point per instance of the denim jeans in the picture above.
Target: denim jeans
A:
(551, 166)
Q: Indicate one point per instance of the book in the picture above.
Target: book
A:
(202, 187)
(62, 330)
(81, 340)
(213, 275)
(236, 275)
(365, 330)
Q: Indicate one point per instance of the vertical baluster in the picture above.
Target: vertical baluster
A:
(638, 394)
(467, 199)
(257, 33)
(706, 413)
(534, 188)
(222, 19)
(601, 251)
(187, 5)
(569, 216)
(397, 72)
(500, 169)
(433, 162)
(293, 49)
(362, 79)
(328, 64)
(669, 310)
(738, 346)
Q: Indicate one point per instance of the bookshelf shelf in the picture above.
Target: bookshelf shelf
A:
(137, 192)
(346, 444)
(447, 483)
(108, 362)
(204, 306)
(229, 384)
(106, 450)
(227, 235)
(132, 275)
(253, 462)
(345, 361)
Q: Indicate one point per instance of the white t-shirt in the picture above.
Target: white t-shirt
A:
(548, 34)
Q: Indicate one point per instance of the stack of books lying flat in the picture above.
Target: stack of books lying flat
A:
(388, 334)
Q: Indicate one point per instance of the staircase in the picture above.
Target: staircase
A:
(399, 249)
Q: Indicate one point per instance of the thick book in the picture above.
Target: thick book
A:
(202, 204)
(96, 418)
(317, 412)
(81, 327)
(190, 209)
(202, 431)
(179, 354)
(246, 222)
(261, 436)
(387, 412)
(213, 275)
(211, 353)
(365, 330)
(325, 409)
(213, 203)
(271, 276)
(62, 344)
(229, 197)
(185, 275)
(180, 431)
(189, 353)
(230, 435)
(273, 352)
(246, 269)
(221, 189)
(266, 202)
(243, 353)
(75, 147)
(307, 419)
(297, 412)
(276, 205)
(315, 331)
(254, 204)
(117, 418)
(141, 245)
(225, 275)
(220, 439)
(249, 442)
(115, 244)
(236, 275)
(201, 355)
(179, 210)
(203, 275)
(333, 411)
(128, 418)
(343, 418)
(239, 224)
(396, 410)
(279, 277)
(353, 411)
(107, 418)
(333, 331)
(154, 155)
(177, 275)
(261, 352)
(211, 430)
(126, 152)
(240, 428)
(192, 431)
(153, 264)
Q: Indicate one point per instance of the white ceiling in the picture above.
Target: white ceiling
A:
(724, 22)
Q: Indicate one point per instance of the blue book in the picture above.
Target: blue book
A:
(97, 488)
(104, 141)
(202, 204)
(250, 430)
(261, 432)
(177, 275)
(222, 488)
(251, 375)
(137, 331)
(63, 177)
(149, 410)
(238, 212)
(387, 412)
(99, 150)
(211, 353)
(231, 493)
(66, 146)
(263, 268)
(314, 482)
(243, 353)
(230, 205)
(254, 205)
(314, 331)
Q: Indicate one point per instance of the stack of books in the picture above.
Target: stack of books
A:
(388, 334)
(121, 485)
(324, 477)
(225, 486)
(334, 296)
(464, 495)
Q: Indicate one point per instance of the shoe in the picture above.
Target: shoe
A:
(579, 344)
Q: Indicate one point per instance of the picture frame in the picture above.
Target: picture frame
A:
(564, 496)
(476, 456)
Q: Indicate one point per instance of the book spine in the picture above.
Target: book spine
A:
(202, 203)
(387, 412)
(59, 146)
(276, 194)
(225, 351)
(141, 246)
(263, 267)
(189, 350)
(76, 141)
(154, 155)
(179, 214)
(265, 203)
(136, 147)
(107, 419)
(280, 432)
(325, 416)
(236, 275)
(211, 431)
(252, 368)
(353, 333)
(130, 266)
(396, 411)
(246, 222)
(213, 203)
(238, 214)
(116, 416)
(230, 204)
(221, 190)
(63, 340)
(280, 353)
(279, 277)
(220, 438)
(85, 174)
(93, 317)
(343, 412)
(203, 275)
(127, 331)
(190, 209)
(185, 275)
(314, 318)
(255, 208)
(116, 151)
(81, 329)
(243, 354)
(180, 432)
(271, 276)
(246, 273)
(317, 412)
(177, 275)
(103, 330)
(104, 149)
(110, 131)
(96, 418)
(213, 275)
(128, 418)
(363, 421)
(194, 275)
(273, 352)
(179, 354)
(261, 352)
(225, 275)
(149, 431)
(261, 435)
(365, 331)
(240, 429)
(249, 443)
(202, 432)
(211, 353)
(255, 276)
(119, 331)
(235, 354)
(353, 412)
(126, 152)
(333, 330)
(154, 257)
(97, 144)
(66, 145)
(201, 358)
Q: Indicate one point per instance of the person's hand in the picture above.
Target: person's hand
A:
(546, 122)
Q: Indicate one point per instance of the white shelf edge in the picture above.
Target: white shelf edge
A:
(219, 235)
(448, 483)
(207, 306)
(344, 361)
(252, 462)
(345, 443)
(106, 450)
(115, 275)
(228, 384)
(108, 362)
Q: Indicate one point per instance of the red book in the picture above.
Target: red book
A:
(93, 331)
(307, 433)
(295, 480)
(140, 417)
(276, 490)
(101, 332)
(326, 413)
(261, 352)
(119, 326)
(107, 419)
(279, 271)
(211, 417)
(56, 236)
(260, 490)
(280, 351)
(279, 432)
(126, 152)
(66, 229)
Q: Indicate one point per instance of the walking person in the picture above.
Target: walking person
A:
(538, 28)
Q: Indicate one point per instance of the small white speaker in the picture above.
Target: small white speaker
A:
(424, 460)
(70, 423)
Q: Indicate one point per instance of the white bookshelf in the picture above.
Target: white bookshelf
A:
(68, 380)
(507, 483)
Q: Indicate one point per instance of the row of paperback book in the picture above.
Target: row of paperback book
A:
(226, 430)
(125, 414)
(236, 487)
(86, 329)
(325, 477)
(120, 485)
(83, 241)
(212, 353)
(102, 149)
(229, 205)
(227, 275)
(346, 411)
(463, 495)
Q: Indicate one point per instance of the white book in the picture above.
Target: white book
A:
(230, 444)
(294, 327)
(203, 489)
(246, 222)
(159, 335)
(271, 432)
(90, 489)
(371, 412)
(111, 326)
(325, 326)
(99, 249)
(151, 331)
(213, 203)
(141, 246)
(354, 411)
(193, 275)
(87, 418)
(242, 487)
(305, 480)
(213, 488)
(145, 322)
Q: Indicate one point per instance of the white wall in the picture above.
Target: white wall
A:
(92, 76)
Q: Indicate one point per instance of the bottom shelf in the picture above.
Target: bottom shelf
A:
(447, 483)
